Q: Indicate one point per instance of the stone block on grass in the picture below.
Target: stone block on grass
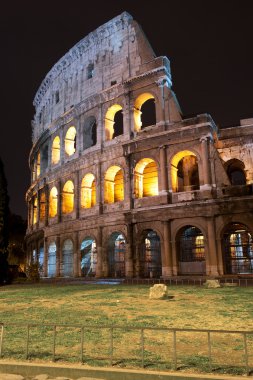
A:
(158, 292)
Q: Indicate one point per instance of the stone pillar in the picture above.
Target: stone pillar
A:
(167, 262)
(205, 164)
(76, 255)
(46, 189)
(77, 195)
(99, 271)
(58, 256)
(59, 211)
(45, 264)
(220, 257)
(99, 187)
(164, 172)
(174, 258)
(213, 262)
(137, 259)
(129, 252)
(128, 177)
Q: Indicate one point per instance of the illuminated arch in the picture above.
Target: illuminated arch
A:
(113, 122)
(56, 150)
(70, 141)
(68, 197)
(114, 185)
(53, 202)
(147, 99)
(184, 171)
(38, 165)
(88, 257)
(146, 178)
(35, 210)
(88, 191)
(42, 206)
(190, 244)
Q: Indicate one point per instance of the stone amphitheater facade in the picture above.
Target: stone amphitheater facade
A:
(122, 185)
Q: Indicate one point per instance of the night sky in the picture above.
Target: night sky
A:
(209, 44)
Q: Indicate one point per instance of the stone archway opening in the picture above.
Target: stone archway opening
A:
(191, 251)
(150, 255)
(51, 262)
(184, 172)
(88, 257)
(114, 185)
(146, 178)
(116, 255)
(144, 111)
(88, 191)
(114, 122)
(237, 249)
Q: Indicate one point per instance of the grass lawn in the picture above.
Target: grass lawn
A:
(99, 305)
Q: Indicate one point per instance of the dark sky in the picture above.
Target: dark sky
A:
(209, 44)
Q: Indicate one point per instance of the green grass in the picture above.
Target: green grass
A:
(128, 306)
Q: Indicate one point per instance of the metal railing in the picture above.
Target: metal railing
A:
(154, 347)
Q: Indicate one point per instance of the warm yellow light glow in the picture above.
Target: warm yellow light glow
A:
(56, 150)
(146, 178)
(35, 210)
(53, 202)
(88, 191)
(68, 197)
(174, 167)
(137, 109)
(42, 206)
(38, 165)
(109, 120)
(114, 185)
(70, 141)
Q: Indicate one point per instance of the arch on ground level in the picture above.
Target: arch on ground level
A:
(53, 202)
(190, 244)
(51, 261)
(116, 254)
(56, 150)
(88, 257)
(67, 258)
(41, 258)
(114, 185)
(68, 197)
(113, 122)
(146, 178)
(237, 249)
(144, 111)
(88, 191)
(89, 132)
(184, 171)
(150, 255)
(236, 172)
(42, 206)
(70, 141)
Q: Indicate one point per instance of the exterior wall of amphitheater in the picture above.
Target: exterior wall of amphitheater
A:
(121, 184)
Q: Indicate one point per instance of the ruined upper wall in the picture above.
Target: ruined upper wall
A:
(115, 52)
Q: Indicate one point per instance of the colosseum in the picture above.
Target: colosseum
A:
(122, 185)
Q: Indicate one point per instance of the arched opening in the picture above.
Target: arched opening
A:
(88, 191)
(51, 263)
(191, 251)
(144, 111)
(114, 185)
(150, 255)
(70, 141)
(89, 132)
(67, 258)
(56, 150)
(38, 165)
(184, 172)
(113, 122)
(237, 249)
(35, 210)
(235, 170)
(53, 202)
(146, 178)
(68, 197)
(116, 255)
(41, 258)
(88, 257)
(42, 206)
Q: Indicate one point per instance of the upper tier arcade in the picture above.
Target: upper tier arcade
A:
(111, 56)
